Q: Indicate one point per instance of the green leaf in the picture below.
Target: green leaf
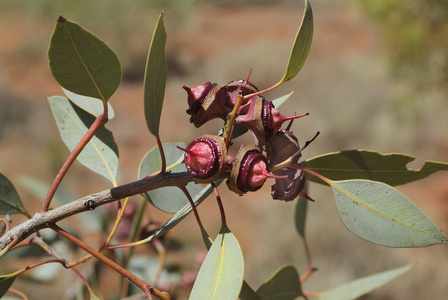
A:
(184, 211)
(284, 284)
(221, 274)
(101, 153)
(362, 286)
(280, 100)
(362, 164)
(167, 199)
(247, 293)
(300, 215)
(5, 284)
(9, 198)
(301, 46)
(82, 63)
(380, 214)
(155, 78)
(91, 105)
(39, 189)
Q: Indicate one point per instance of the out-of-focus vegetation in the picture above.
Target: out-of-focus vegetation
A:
(415, 34)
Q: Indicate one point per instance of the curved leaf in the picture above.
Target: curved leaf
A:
(362, 164)
(284, 284)
(301, 46)
(185, 210)
(5, 284)
(101, 153)
(155, 78)
(380, 214)
(362, 286)
(300, 215)
(91, 105)
(9, 198)
(82, 63)
(221, 274)
(168, 199)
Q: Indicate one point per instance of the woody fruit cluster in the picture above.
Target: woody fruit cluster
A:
(274, 153)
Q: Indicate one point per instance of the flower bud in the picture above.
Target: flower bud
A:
(205, 157)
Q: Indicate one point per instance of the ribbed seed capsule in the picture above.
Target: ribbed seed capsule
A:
(205, 157)
(249, 170)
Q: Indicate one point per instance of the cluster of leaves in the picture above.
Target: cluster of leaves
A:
(362, 181)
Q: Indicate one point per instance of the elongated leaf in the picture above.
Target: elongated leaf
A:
(101, 153)
(184, 211)
(91, 105)
(221, 274)
(380, 214)
(5, 284)
(284, 284)
(167, 199)
(155, 78)
(301, 46)
(300, 215)
(362, 164)
(362, 286)
(9, 198)
(82, 63)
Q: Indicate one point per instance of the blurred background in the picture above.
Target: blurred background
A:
(375, 79)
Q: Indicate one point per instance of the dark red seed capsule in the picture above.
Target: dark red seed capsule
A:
(249, 170)
(205, 157)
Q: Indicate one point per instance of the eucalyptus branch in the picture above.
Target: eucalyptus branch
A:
(90, 202)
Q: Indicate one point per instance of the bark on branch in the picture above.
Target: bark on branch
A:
(90, 202)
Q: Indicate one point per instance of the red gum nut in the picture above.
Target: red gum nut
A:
(249, 170)
(198, 93)
(237, 87)
(205, 157)
(253, 121)
(206, 104)
(282, 146)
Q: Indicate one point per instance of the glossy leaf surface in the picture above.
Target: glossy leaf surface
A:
(361, 164)
(10, 202)
(221, 274)
(82, 63)
(381, 214)
(284, 284)
(155, 78)
(167, 199)
(301, 46)
(362, 286)
(101, 153)
(91, 105)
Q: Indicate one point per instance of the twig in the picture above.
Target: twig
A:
(90, 202)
